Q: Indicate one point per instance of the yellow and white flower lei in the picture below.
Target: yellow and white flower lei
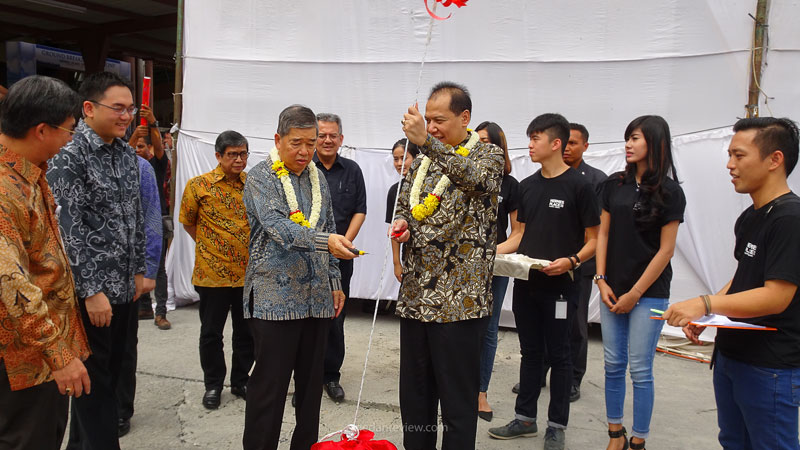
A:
(295, 214)
(432, 200)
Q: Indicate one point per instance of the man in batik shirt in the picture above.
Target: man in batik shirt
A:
(95, 181)
(445, 296)
(42, 340)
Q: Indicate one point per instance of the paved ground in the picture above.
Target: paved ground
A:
(169, 414)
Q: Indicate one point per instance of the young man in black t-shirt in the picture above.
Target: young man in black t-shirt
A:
(560, 216)
(756, 373)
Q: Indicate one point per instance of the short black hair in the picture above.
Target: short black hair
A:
(37, 99)
(459, 96)
(582, 129)
(412, 148)
(94, 86)
(552, 124)
(230, 138)
(773, 134)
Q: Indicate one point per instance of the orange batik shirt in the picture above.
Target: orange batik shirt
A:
(214, 205)
(40, 325)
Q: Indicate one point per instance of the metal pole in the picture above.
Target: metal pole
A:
(757, 57)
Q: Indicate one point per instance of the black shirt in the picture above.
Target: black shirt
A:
(631, 247)
(348, 193)
(768, 248)
(160, 167)
(556, 212)
(596, 177)
(507, 202)
(390, 201)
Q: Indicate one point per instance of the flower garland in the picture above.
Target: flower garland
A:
(295, 214)
(432, 200)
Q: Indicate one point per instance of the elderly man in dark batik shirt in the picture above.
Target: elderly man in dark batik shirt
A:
(95, 182)
(445, 296)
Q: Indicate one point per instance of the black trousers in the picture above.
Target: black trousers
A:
(579, 335)
(94, 423)
(334, 354)
(283, 346)
(440, 362)
(538, 329)
(214, 306)
(126, 388)
(31, 419)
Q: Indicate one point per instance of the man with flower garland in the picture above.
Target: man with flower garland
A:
(447, 218)
(213, 214)
(293, 285)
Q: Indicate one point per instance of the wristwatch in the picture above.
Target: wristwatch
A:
(153, 125)
(599, 277)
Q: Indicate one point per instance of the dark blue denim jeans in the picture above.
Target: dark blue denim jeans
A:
(499, 286)
(756, 406)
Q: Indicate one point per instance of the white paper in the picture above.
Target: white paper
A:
(714, 320)
(516, 265)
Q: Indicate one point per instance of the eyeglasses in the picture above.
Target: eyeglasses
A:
(71, 132)
(233, 156)
(323, 137)
(120, 110)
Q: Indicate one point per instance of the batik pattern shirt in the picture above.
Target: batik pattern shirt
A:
(96, 185)
(214, 205)
(40, 326)
(151, 206)
(291, 274)
(448, 261)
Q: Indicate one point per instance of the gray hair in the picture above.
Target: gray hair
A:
(296, 116)
(329, 117)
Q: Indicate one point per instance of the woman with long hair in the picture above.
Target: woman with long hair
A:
(506, 212)
(642, 208)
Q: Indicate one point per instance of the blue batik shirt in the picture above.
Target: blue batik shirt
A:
(290, 274)
(151, 207)
(96, 186)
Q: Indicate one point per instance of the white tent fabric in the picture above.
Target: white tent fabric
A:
(599, 63)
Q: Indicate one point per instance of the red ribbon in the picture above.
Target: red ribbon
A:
(362, 442)
(445, 3)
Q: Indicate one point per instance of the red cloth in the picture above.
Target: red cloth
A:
(363, 442)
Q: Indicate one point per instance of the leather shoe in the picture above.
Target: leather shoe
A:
(575, 393)
(211, 398)
(334, 391)
(124, 426)
(294, 400)
(240, 391)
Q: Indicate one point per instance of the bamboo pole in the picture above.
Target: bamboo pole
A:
(757, 57)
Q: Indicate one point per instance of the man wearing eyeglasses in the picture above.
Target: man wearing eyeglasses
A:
(213, 214)
(95, 181)
(349, 197)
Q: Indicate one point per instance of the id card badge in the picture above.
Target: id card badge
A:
(561, 308)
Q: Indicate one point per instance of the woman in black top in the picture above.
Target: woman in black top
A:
(642, 207)
(401, 166)
(507, 211)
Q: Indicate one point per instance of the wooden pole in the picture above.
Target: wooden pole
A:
(177, 97)
(757, 57)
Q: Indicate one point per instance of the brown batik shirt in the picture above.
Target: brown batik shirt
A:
(448, 261)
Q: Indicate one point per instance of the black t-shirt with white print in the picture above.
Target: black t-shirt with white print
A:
(767, 248)
(556, 211)
(631, 246)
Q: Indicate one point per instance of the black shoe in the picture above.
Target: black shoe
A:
(334, 390)
(211, 398)
(486, 415)
(294, 400)
(575, 393)
(240, 391)
(515, 389)
(124, 426)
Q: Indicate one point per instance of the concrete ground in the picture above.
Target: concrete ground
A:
(169, 414)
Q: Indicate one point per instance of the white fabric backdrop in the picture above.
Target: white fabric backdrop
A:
(599, 63)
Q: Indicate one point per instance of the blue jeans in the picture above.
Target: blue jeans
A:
(633, 337)
(756, 406)
(499, 286)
